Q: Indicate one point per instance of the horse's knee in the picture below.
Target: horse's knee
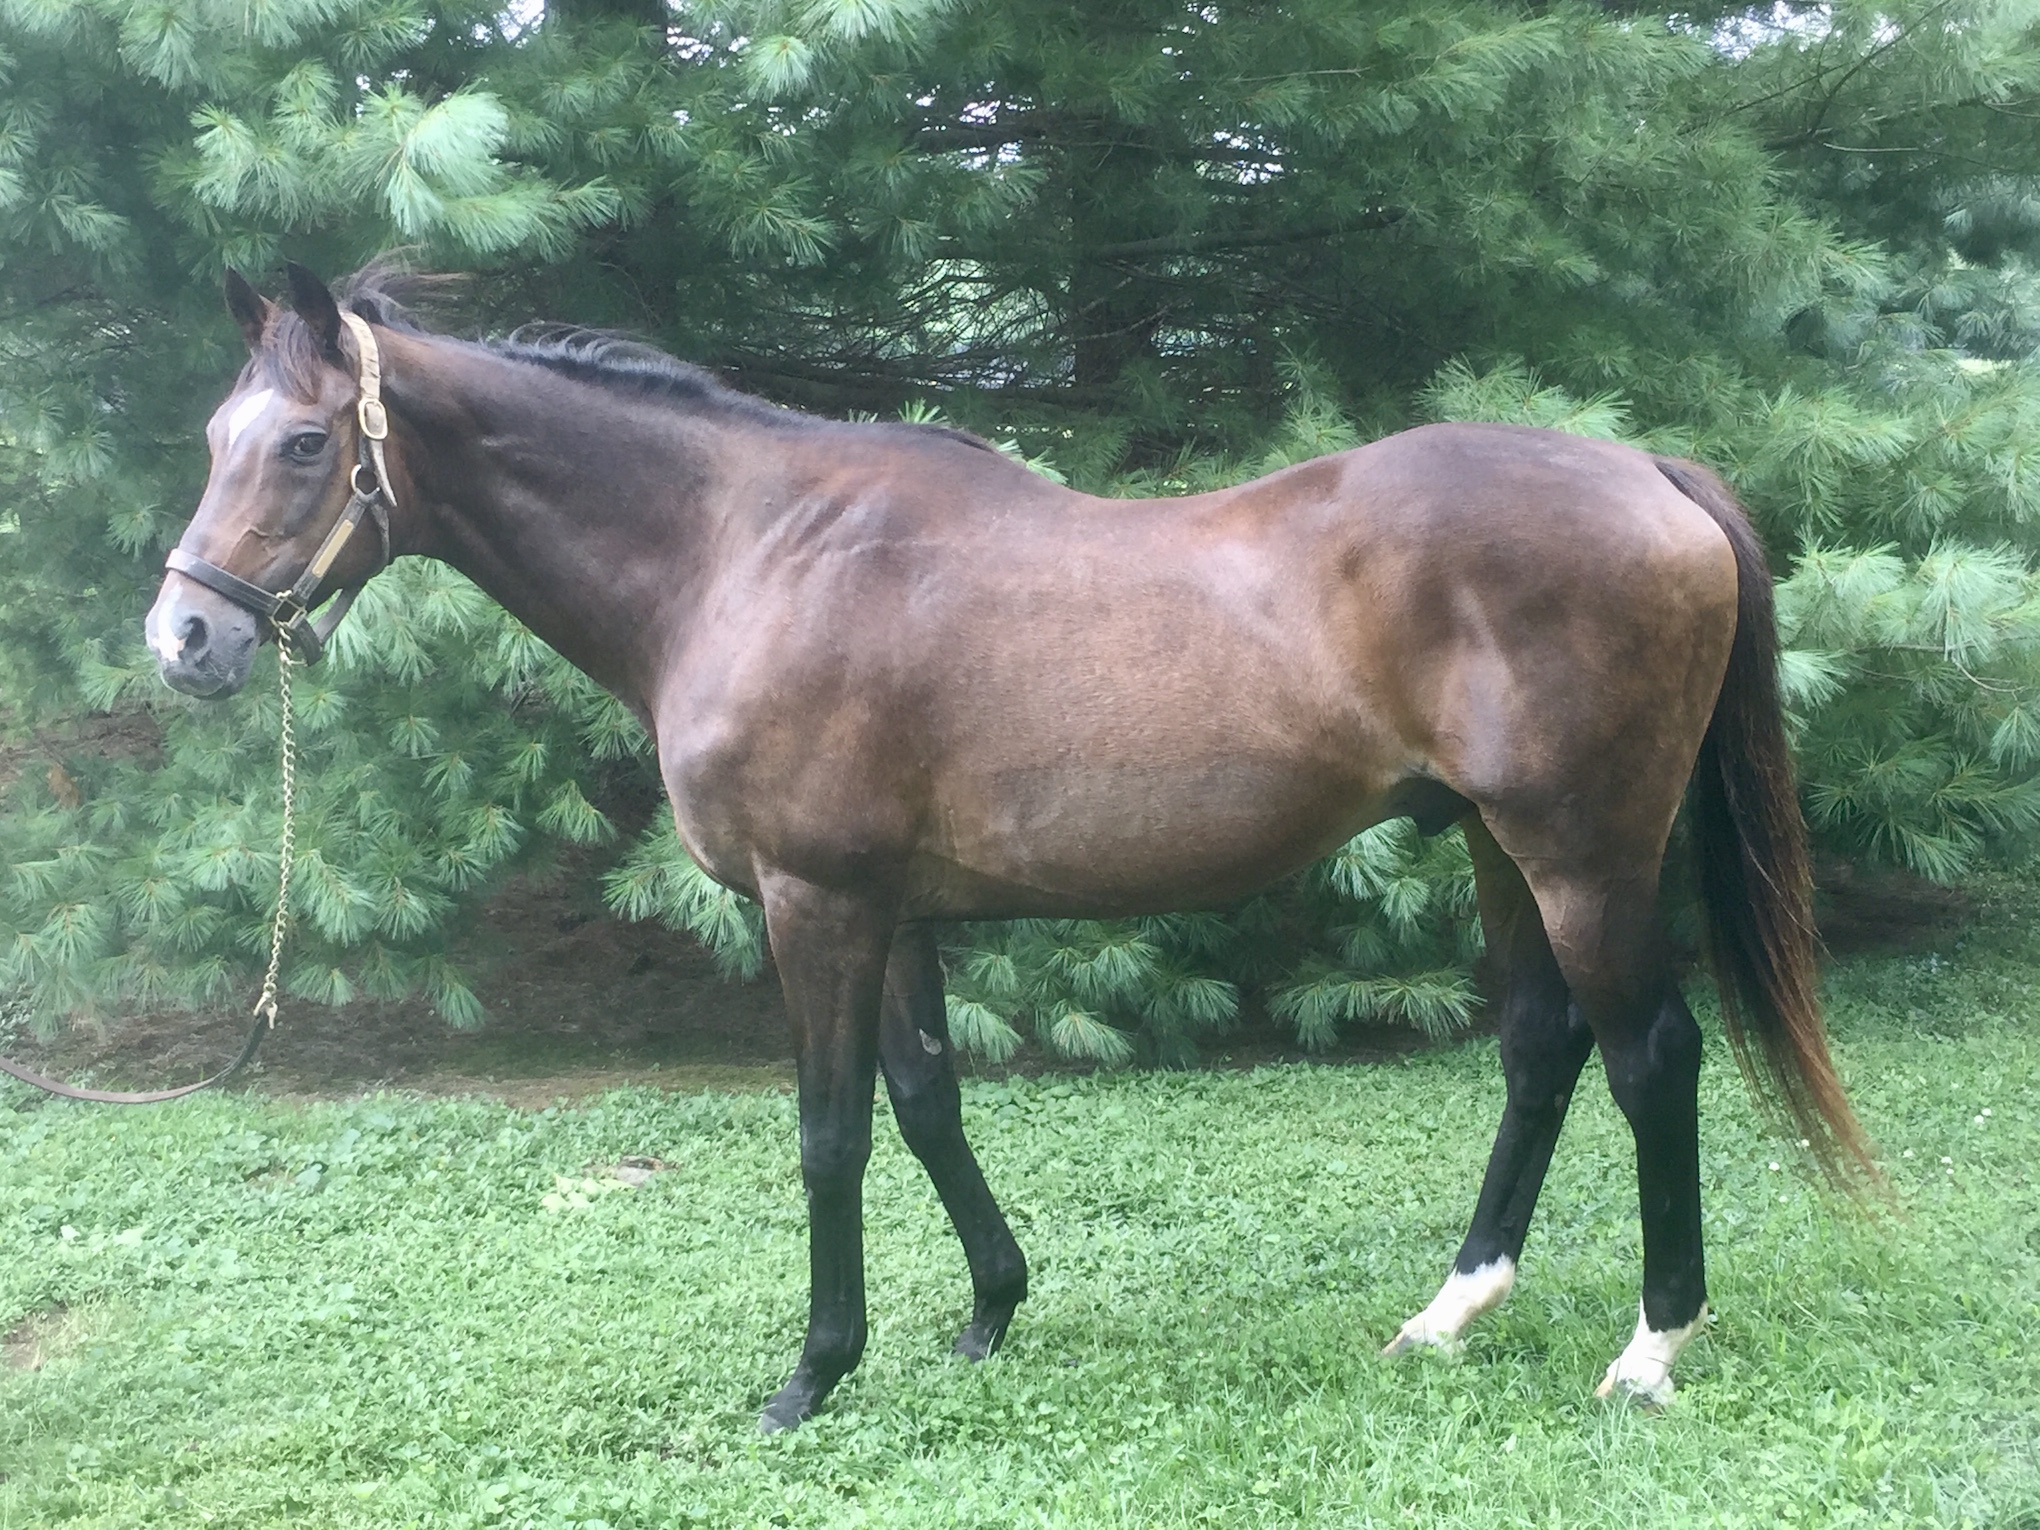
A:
(921, 1083)
(928, 1131)
(830, 1158)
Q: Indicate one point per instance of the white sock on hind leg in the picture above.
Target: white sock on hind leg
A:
(1464, 1297)
(1644, 1369)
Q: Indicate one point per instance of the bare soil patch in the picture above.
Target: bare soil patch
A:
(42, 1337)
(56, 754)
(577, 1002)
(1861, 909)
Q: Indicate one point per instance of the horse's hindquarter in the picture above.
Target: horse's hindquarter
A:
(1593, 607)
(1018, 700)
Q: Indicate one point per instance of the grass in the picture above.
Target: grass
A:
(392, 1312)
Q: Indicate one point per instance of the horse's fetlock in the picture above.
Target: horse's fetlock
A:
(1005, 1286)
(831, 1355)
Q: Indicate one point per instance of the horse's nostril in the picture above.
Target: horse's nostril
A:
(194, 633)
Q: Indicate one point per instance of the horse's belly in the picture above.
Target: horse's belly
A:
(1132, 837)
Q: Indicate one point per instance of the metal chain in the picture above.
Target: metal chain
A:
(264, 1014)
(266, 1005)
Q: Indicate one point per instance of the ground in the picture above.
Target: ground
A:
(391, 1310)
(575, 1004)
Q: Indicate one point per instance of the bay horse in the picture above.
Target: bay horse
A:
(895, 678)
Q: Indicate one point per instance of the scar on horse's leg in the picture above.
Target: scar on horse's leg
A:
(920, 1076)
(1612, 953)
(831, 952)
(1544, 1044)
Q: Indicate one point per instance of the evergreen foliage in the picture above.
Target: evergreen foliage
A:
(1154, 247)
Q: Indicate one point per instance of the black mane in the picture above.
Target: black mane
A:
(384, 291)
(623, 365)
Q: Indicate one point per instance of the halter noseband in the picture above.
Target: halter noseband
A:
(288, 612)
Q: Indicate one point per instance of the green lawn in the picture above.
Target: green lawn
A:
(385, 1312)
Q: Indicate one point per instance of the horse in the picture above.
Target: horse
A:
(895, 679)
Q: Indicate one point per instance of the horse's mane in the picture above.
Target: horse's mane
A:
(387, 292)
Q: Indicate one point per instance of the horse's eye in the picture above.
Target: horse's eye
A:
(305, 446)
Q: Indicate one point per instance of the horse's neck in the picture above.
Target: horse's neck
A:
(577, 511)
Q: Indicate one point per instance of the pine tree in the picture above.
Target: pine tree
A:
(1151, 247)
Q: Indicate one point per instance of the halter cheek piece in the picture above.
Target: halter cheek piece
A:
(289, 612)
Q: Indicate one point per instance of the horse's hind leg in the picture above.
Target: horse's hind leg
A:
(1605, 934)
(1544, 1044)
(914, 1051)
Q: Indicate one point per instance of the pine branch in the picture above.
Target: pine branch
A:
(1210, 241)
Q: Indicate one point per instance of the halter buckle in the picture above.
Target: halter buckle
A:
(295, 630)
(375, 420)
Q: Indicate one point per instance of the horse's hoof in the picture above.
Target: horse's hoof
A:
(1637, 1392)
(1413, 1338)
(788, 1408)
(1429, 1331)
(987, 1331)
(1465, 1295)
(1641, 1380)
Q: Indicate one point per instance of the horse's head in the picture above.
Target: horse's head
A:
(291, 477)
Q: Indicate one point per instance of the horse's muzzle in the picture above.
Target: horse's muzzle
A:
(204, 645)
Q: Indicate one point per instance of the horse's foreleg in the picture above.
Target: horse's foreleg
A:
(914, 1050)
(831, 952)
(1544, 1044)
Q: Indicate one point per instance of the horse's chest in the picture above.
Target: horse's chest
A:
(703, 774)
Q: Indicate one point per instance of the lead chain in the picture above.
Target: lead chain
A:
(266, 1005)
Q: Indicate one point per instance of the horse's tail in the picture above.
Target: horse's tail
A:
(1755, 879)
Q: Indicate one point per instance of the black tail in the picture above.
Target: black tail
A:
(1754, 875)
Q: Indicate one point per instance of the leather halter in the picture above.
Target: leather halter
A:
(288, 612)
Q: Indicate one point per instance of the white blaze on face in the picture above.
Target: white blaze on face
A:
(165, 643)
(1464, 1297)
(1644, 1370)
(246, 412)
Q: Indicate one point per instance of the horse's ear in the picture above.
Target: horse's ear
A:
(251, 310)
(315, 305)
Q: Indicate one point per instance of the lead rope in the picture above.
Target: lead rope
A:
(264, 1013)
(265, 1007)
